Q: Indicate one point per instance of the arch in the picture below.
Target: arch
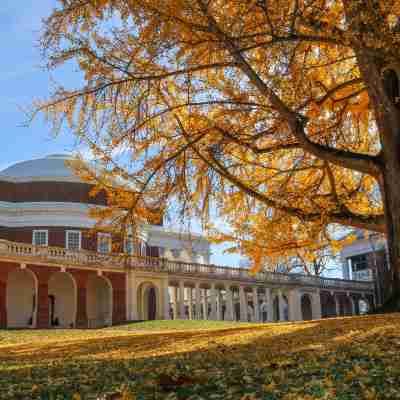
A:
(275, 305)
(363, 306)
(285, 308)
(347, 306)
(148, 301)
(99, 302)
(21, 299)
(328, 305)
(62, 292)
(306, 307)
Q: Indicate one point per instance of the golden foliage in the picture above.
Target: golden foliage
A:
(259, 111)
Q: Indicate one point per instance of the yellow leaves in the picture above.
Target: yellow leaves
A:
(270, 387)
(161, 88)
(332, 358)
(369, 394)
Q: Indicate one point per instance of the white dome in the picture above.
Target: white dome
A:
(50, 168)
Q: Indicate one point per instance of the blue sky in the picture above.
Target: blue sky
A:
(23, 79)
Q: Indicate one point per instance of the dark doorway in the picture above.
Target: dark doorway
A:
(152, 304)
(52, 302)
(306, 307)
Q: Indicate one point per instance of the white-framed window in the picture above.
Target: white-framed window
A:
(73, 240)
(176, 253)
(103, 242)
(40, 237)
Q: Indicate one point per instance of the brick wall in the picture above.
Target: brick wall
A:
(43, 274)
(49, 191)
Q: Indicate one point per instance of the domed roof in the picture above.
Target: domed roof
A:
(50, 168)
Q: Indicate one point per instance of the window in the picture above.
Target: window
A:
(73, 240)
(359, 263)
(176, 253)
(40, 237)
(104, 242)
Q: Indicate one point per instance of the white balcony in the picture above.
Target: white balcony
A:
(28, 253)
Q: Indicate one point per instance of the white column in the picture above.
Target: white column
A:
(294, 301)
(213, 301)
(182, 300)
(229, 314)
(198, 301)
(175, 302)
(190, 302)
(205, 304)
(243, 304)
(353, 306)
(166, 301)
(270, 304)
(256, 305)
(281, 303)
(316, 305)
(131, 297)
(337, 305)
(219, 305)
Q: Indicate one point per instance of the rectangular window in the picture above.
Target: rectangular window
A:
(73, 240)
(103, 242)
(359, 263)
(40, 237)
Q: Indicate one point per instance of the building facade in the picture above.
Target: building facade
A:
(53, 273)
(366, 259)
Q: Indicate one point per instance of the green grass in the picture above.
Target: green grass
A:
(25, 336)
(354, 358)
(176, 325)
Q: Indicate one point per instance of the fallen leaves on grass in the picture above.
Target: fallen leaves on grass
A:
(346, 359)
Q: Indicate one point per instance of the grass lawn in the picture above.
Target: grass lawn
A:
(344, 358)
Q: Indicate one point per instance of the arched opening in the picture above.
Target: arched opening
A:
(306, 307)
(285, 308)
(392, 85)
(328, 305)
(276, 308)
(99, 302)
(21, 302)
(151, 303)
(363, 306)
(347, 306)
(148, 301)
(62, 300)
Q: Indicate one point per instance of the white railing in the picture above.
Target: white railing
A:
(363, 275)
(30, 253)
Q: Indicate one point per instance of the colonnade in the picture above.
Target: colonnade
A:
(227, 302)
(175, 297)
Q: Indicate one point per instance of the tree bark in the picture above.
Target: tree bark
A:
(391, 199)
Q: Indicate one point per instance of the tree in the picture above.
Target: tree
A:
(282, 110)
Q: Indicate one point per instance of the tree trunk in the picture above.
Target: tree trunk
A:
(391, 198)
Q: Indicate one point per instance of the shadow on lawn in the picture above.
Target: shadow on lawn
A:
(105, 364)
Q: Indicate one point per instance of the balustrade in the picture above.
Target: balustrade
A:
(29, 253)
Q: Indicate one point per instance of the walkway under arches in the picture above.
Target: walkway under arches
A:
(62, 300)
(99, 301)
(148, 299)
(21, 299)
(306, 307)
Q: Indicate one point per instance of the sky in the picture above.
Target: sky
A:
(23, 79)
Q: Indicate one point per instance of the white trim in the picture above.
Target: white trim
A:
(46, 214)
(40, 231)
(26, 179)
(67, 232)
